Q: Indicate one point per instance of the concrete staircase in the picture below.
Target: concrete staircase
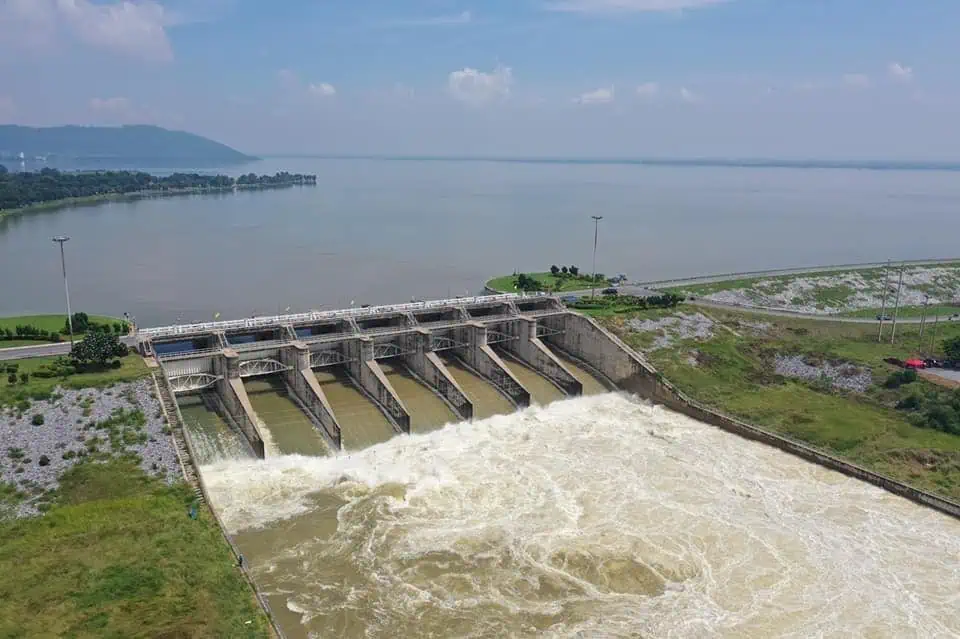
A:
(172, 415)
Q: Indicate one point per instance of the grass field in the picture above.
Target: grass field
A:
(734, 372)
(118, 556)
(132, 368)
(507, 283)
(905, 311)
(45, 323)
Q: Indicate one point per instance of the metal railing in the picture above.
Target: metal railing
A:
(317, 316)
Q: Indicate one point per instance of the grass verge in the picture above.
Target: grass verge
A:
(132, 368)
(507, 283)
(119, 556)
(734, 372)
(905, 311)
(44, 323)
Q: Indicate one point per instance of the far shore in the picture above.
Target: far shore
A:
(92, 200)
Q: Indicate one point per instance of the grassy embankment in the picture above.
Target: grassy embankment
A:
(118, 554)
(734, 372)
(131, 369)
(549, 282)
(45, 323)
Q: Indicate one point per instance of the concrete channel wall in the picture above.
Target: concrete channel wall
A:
(631, 373)
(530, 350)
(303, 386)
(369, 377)
(430, 369)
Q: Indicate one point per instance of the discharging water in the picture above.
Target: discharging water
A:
(291, 431)
(487, 400)
(362, 424)
(542, 391)
(212, 439)
(427, 411)
(594, 517)
(591, 385)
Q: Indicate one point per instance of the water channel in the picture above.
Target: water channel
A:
(290, 430)
(487, 400)
(362, 423)
(427, 411)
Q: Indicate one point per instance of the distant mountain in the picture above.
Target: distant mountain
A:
(134, 144)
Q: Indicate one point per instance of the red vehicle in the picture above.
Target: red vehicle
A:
(915, 364)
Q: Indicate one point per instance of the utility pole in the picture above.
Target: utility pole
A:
(596, 230)
(61, 239)
(923, 320)
(896, 309)
(933, 338)
(883, 305)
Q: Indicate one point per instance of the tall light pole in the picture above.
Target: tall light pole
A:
(61, 239)
(596, 231)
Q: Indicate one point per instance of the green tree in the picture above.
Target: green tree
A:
(81, 323)
(554, 270)
(951, 347)
(564, 270)
(575, 271)
(24, 378)
(97, 348)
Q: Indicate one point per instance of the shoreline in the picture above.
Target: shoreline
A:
(94, 200)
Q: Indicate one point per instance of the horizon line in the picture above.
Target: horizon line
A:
(812, 163)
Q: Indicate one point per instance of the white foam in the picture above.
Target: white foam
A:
(744, 539)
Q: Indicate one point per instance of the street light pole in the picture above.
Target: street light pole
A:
(61, 239)
(596, 230)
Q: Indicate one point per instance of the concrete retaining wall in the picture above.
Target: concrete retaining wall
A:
(235, 401)
(481, 358)
(631, 373)
(530, 350)
(304, 388)
(369, 377)
(430, 369)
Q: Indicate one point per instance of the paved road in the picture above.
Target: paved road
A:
(47, 350)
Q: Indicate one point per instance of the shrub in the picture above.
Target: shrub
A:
(44, 460)
(24, 378)
(900, 378)
(12, 379)
(69, 454)
(37, 420)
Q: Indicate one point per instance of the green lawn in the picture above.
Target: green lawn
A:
(507, 283)
(45, 323)
(131, 368)
(735, 374)
(118, 556)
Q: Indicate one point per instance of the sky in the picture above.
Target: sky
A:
(792, 79)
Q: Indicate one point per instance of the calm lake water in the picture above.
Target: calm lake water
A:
(387, 231)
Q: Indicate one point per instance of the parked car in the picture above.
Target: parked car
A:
(884, 318)
(610, 291)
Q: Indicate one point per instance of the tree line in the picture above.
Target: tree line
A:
(47, 185)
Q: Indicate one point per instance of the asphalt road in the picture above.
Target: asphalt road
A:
(48, 350)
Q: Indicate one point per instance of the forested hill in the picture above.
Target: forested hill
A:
(137, 142)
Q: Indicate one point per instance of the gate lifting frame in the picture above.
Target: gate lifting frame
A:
(193, 382)
(255, 367)
(384, 351)
(319, 359)
(495, 337)
(446, 343)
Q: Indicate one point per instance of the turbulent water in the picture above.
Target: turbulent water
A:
(595, 517)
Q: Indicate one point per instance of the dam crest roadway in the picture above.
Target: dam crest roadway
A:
(351, 378)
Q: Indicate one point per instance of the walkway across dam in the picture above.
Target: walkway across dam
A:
(319, 382)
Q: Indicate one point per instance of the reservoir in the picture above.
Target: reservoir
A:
(386, 231)
(597, 516)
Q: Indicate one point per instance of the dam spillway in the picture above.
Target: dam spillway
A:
(316, 382)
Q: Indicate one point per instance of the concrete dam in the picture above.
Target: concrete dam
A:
(319, 382)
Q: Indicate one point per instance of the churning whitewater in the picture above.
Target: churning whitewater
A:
(594, 517)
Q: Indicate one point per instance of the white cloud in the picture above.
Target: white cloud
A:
(689, 96)
(599, 96)
(857, 80)
(131, 27)
(464, 17)
(628, 6)
(477, 87)
(110, 105)
(322, 90)
(648, 90)
(900, 72)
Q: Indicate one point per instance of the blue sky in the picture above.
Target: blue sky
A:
(853, 79)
